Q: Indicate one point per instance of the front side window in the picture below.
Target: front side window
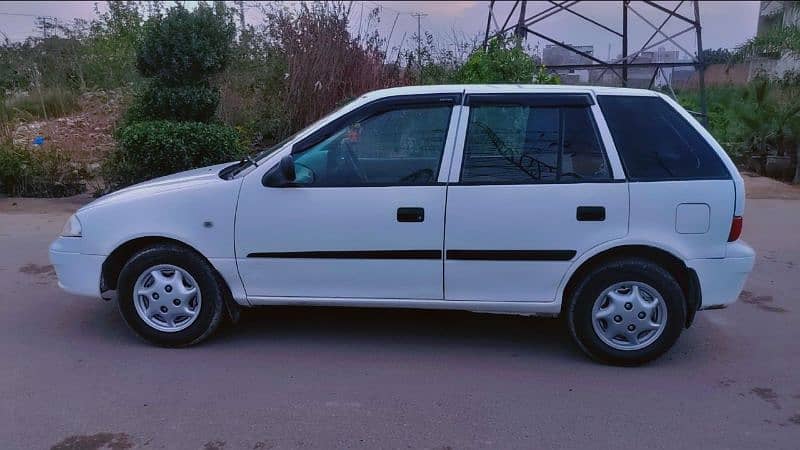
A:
(402, 146)
(656, 143)
(519, 144)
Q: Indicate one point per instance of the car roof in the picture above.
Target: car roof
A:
(506, 89)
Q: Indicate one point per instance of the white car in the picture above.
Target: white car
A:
(611, 207)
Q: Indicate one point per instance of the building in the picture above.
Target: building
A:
(554, 55)
(774, 14)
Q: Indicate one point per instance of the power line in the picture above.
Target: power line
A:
(17, 14)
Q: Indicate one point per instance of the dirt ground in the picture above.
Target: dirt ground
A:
(86, 135)
(74, 377)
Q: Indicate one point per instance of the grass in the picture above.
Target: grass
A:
(48, 103)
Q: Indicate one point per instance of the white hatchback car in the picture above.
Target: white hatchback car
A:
(611, 207)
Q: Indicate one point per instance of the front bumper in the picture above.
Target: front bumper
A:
(78, 274)
(722, 279)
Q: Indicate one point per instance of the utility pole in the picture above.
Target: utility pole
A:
(625, 43)
(520, 31)
(701, 65)
(45, 23)
(419, 17)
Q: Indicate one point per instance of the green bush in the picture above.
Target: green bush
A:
(502, 62)
(40, 172)
(152, 149)
(194, 103)
(186, 46)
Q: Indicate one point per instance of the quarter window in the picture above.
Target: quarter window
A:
(656, 143)
(517, 144)
(403, 146)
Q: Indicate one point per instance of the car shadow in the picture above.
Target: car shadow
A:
(400, 329)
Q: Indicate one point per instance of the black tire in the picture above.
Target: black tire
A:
(579, 309)
(212, 294)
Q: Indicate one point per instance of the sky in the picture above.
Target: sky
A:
(725, 23)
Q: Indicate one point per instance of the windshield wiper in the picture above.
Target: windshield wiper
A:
(249, 159)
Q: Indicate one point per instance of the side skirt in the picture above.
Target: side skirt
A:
(550, 309)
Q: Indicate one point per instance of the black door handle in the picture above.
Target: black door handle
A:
(410, 215)
(591, 213)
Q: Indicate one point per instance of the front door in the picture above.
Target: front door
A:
(365, 217)
(533, 191)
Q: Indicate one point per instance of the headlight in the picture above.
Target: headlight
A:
(72, 228)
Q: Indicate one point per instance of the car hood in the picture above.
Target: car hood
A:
(180, 180)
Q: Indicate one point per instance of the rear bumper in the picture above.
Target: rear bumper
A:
(78, 274)
(722, 279)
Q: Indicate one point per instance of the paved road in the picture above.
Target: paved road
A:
(73, 376)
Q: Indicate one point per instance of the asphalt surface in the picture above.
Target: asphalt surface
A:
(72, 376)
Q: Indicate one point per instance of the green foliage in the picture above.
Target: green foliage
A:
(195, 103)
(773, 43)
(81, 56)
(501, 62)
(151, 149)
(179, 52)
(718, 56)
(168, 127)
(40, 172)
(186, 46)
(754, 120)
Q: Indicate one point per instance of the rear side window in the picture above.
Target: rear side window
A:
(519, 144)
(656, 143)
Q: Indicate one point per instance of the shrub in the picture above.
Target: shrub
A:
(151, 149)
(186, 46)
(194, 103)
(39, 172)
(499, 63)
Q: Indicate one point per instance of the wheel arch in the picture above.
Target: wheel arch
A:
(684, 275)
(115, 261)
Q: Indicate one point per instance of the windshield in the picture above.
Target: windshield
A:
(269, 150)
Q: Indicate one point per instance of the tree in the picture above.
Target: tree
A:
(502, 63)
(718, 56)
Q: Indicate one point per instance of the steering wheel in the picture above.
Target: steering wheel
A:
(572, 174)
(352, 160)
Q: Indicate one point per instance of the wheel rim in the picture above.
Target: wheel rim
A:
(629, 316)
(167, 298)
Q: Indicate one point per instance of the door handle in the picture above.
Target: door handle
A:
(410, 215)
(591, 213)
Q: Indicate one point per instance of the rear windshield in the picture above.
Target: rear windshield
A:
(656, 143)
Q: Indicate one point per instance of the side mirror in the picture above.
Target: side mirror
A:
(282, 174)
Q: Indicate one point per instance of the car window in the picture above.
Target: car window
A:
(517, 144)
(656, 143)
(402, 146)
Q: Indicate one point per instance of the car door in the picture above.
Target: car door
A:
(531, 188)
(365, 215)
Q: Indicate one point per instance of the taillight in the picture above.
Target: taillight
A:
(736, 229)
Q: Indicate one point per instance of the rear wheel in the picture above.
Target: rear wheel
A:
(627, 312)
(170, 296)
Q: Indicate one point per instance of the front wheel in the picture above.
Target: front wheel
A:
(627, 312)
(170, 296)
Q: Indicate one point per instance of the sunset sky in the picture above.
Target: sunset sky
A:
(725, 23)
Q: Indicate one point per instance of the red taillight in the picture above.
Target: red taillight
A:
(736, 229)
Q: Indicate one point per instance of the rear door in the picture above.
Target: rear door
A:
(531, 187)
